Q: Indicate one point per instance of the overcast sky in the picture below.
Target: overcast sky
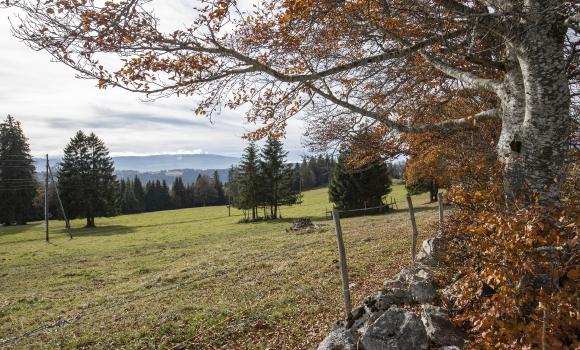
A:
(52, 105)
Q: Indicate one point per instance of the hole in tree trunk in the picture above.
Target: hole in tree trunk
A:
(516, 146)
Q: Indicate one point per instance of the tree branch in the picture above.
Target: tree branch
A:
(447, 124)
(466, 77)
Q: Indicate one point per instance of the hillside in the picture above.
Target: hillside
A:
(161, 162)
(193, 278)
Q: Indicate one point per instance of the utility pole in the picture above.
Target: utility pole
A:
(46, 200)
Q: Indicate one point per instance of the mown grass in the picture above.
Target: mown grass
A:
(194, 278)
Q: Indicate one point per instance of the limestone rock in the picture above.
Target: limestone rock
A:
(395, 329)
(430, 251)
(422, 292)
(439, 328)
(339, 338)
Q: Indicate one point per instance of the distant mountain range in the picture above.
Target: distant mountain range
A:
(174, 161)
(162, 162)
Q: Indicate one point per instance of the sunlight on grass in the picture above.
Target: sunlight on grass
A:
(194, 276)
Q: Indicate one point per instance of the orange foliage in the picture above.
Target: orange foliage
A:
(519, 269)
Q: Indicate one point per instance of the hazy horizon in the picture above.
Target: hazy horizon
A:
(53, 105)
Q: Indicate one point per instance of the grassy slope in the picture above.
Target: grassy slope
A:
(240, 285)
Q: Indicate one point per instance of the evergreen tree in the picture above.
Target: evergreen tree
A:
(179, 193)
(353, 189)
(17, 182)
(130, 203)
(219, 188)
(150, 200)
(276, 177)
(205, 192)
(165, 196)
(139, 194)
(189, 199)
(86, 180)
(248, 181)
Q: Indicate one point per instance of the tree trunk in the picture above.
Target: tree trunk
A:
(536, 114)
(433, 189)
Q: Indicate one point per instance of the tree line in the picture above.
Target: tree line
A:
(158, 195)
(85, 182)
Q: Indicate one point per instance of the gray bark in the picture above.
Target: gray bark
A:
(535, 101)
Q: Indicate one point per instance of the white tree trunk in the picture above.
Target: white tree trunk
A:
(536, 113)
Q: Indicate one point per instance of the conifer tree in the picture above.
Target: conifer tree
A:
(354, 189)
(139, 194)
(179, 194)
(86, 180)
(276, 177)
(17, 182)
(205, 192)
(248, 181)
(219, 188)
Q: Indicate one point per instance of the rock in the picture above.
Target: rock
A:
(339, 338)
(395, 329)
(439, 328)
(358, 316)
(422, 274)
(394, 283)
(430, 251)
(302, 225)
(422, 292)
(452, 347)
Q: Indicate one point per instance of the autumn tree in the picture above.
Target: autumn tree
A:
(358, 62)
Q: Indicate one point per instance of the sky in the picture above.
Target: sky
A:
(52, 105)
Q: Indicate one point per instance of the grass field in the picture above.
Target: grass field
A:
(193, 278)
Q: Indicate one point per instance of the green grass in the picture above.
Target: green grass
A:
(194, 278)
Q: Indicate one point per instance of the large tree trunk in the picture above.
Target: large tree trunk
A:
(536, 113)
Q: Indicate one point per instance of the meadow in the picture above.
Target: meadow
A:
(194, 278)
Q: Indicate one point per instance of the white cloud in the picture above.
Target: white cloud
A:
(52, 105)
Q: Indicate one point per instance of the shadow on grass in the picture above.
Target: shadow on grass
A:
(111, 230)
(14, 229)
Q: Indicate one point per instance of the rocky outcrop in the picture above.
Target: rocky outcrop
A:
(390, 318)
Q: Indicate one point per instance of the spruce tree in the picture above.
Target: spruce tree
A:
(276, 177)
(179, 193)
(219, 188)
(86, 180)
(354, 189)
(205, 192)
(17, 182)
(166, 202)
(139, 194)
(249, 181)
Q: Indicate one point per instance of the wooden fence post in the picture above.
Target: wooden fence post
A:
(342, 257)
(414, 225)
(441, 218)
